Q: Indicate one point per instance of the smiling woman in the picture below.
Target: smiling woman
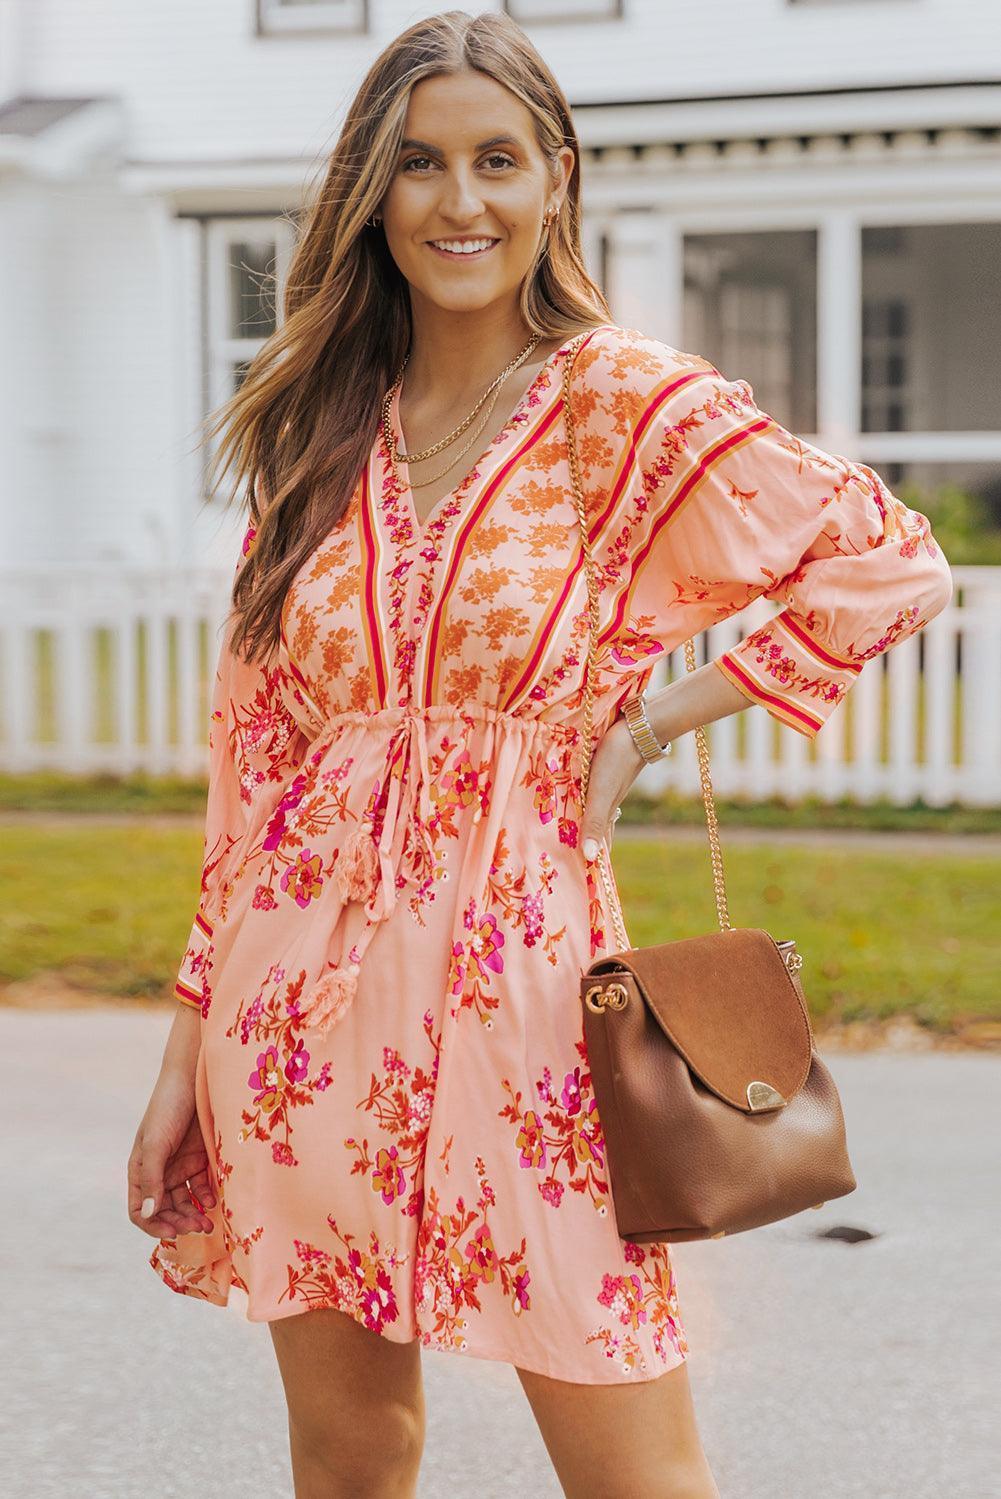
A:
(377, 1105)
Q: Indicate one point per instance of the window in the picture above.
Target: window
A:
(565, 10)
(751, 308)
(931, 327)
(245, 264)
(294, 17)
(885, 333)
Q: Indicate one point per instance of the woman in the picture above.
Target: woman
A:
(375, 1102)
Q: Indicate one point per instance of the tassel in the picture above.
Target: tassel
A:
(356, 871)
(330, 998)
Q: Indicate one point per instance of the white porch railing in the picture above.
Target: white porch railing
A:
(109, 671)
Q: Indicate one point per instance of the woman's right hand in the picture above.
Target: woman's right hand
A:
(169, 1154)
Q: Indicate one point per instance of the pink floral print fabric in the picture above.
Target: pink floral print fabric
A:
(395, 910)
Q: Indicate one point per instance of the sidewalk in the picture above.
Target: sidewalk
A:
(857, 1371)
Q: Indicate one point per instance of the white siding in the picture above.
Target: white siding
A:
(200, 84)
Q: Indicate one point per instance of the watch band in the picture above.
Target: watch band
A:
(641, 729)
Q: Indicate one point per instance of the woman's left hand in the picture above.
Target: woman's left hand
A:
(614, 767)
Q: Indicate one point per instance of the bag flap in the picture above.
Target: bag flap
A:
(729, 1004)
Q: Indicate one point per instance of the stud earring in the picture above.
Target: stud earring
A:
(552, 214)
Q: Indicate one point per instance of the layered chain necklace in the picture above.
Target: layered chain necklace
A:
(492, 390)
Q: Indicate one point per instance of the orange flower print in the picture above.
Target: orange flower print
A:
(357, 1283)
(481, 1254)
(475, 961)
(302, 880)
(400, 1101)
(567, 1138)
(280, 1081)
(531, 1140)
(387, 1174)
(645, 1296)
(448, 1275)
(623, 1295)
(267, 1080)
(485, 945)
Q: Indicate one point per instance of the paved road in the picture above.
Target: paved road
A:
(865, 1371)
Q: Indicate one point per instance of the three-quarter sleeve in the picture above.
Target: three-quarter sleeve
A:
(726, 505)
(254, 744)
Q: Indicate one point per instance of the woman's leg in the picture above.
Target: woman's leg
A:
(621, 1440)
(355, 1407)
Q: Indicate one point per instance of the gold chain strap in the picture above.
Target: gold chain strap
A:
(593, 626)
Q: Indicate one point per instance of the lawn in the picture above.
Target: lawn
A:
(107, 906)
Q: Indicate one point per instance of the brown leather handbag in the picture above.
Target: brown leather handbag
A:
(717, 1113)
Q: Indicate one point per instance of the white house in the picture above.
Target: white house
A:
(806, 191)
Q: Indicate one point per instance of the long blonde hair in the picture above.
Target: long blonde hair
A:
(299, 430)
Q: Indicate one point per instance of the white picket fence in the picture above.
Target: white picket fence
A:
(109, 671)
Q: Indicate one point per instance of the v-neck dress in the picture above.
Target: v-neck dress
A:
(392, 1082)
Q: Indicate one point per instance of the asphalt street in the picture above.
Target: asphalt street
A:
(818, 1366)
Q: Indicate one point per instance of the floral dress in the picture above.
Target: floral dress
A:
(395, 909)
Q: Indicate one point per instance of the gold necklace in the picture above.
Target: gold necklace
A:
(437, 447)
(423, 483)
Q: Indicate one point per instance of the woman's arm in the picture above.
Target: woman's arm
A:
(699, 697)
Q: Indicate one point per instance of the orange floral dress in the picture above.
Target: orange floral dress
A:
(395, 910)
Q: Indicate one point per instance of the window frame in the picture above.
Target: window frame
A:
(272, 19)
(520, 11)
(220, 350)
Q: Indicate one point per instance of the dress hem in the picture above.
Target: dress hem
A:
(229, 1303)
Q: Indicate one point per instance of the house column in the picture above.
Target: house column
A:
(839, 329)
(645, 278)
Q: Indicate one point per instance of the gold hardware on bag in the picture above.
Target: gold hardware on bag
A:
(720, 1235)
(816, 1205)
(793, 960)
(763, 1096)
(612, 997)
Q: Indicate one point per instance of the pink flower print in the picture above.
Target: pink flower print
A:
(587, 1137)
(459, 786)
(486, 944)
(458, 968)
(264, 899)
(267, 1080)
(297, 1065)
(281, 1154)
(534, 914)
(387, 1175)
(302, 880)
(521, 1295)
(634, 1253)
(531, 1141)
(276, 826)
(481, 1254)
(378, 1302)
(623, 1295)
(571, 1091)
(552, 1192)
(544, 799)
(569, 830)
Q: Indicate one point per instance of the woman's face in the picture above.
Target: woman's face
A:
(463, 215)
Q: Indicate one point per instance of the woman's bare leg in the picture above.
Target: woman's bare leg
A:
(355, 1407)
(621, 1440)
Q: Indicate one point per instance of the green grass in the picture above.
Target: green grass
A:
(880, 934)
(108, 907)
(47, 791)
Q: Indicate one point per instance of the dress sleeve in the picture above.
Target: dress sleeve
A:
(729, 505)
(254, 743)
